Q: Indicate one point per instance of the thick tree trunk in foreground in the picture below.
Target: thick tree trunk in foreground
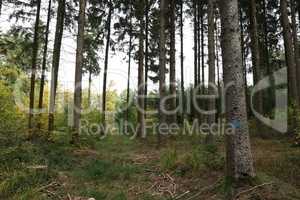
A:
(239, 161)
(45, 53)
(296, 44)
(78, 71)
(55, 60)
(289, 52)
(162, 65)
(257, 73)
(35, 48)
(108, 26)
(182, 62)
(211, 70)
(173, 63)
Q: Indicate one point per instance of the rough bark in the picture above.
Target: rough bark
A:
(55, 60)
(141, 84)
(257, 73)
(108, 27)
(78, 71)
(45, 53)
(289, 52)
(202, 49)
(172, 62)
(239, 161)
(162, 64)
(211, 69)
(296, 44)
(182, 61)
(35, 48)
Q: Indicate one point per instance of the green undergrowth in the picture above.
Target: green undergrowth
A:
(118, 168)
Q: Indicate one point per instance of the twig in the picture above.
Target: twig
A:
(205, 189)
(252, 189)
(69, 197)
(182, 195)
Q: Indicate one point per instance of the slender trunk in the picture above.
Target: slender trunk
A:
(194, 113)
(141, 83)
(211, 70)
(239, 162)
(108, 26)
(218, 68)
(202, 49)
(146, 51)
(257, 73)
(55, 60)
(267, 57)
(289, 52)
(182, 61)
(42, 84)
(35, 49)
(0, 6)
(199, 45)
(296, 44)
(78, 71)
(129, 72)
(162, 65)
(195, 44)
(89, 89)
(173, 63)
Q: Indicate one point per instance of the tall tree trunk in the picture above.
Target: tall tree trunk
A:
(243, 53)
(289, 52)
(146, 51)
(45, 53)
(0, 6)
(212, 69)
(202, 49)
(162, 65)
(296, 44)
(35, 49)
(199, 44)
(55, 60)
(129, 73)
(78, 71)
(173, 62)
(257, 73)
(141, 83)
(193, 112)
(239, 161)
(182, 62)
(218, 68)
(89, 89)
(195, 44)
(108, 26)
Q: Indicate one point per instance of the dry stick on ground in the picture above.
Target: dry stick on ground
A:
(252, 189)
(205, 189)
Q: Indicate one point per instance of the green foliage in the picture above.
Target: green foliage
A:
(122, 109)
(168, 159)
(101, 170)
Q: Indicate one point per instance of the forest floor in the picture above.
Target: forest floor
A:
(117, 168)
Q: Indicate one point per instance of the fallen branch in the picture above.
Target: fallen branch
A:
(205, 189)
(252, 189)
